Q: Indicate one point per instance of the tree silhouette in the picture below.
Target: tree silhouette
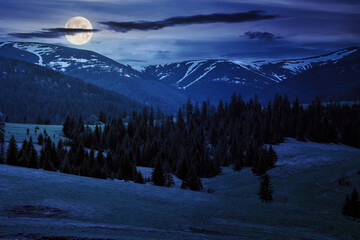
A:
(351, 207)
(266, 190)
(2, 130)
(157, 176)
(11, 155)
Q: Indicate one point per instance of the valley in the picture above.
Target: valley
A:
(307, 205)
(172, 120)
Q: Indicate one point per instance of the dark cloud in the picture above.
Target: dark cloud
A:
(260, 36)
(52, 33)
(197, 19)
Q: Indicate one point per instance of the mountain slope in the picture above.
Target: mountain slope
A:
(213, 79)
(28, 90)
(327, 75)
(337, 78)
(285, 69)
(96, 69)
(334, 76)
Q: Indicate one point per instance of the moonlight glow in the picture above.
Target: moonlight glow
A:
(79, 23)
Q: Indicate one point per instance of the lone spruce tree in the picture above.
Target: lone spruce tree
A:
(351, 207)
(157, 176)
(11, 155)
(266, 190)
(2, 130)
(2, 137)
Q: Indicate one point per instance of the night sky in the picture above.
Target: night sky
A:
(141, 32)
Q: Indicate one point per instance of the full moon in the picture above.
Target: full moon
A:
(81, 37)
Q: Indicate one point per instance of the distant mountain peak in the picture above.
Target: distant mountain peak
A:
(96, 69)
(223, 76)
(170, 84)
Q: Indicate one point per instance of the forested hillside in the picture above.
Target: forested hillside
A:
(28, 91)
(195, 143)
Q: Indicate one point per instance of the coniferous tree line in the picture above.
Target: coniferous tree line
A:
(73, 160)
(197, 141)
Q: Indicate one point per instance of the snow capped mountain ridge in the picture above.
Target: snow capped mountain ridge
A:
(270, 72)
(61, 59)
(98, 70)
(185, 74)
(219, 77)
(214, 79)
(299, 65)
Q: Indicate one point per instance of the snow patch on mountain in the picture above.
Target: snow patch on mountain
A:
(194, 65)
(3, 44)
(299, 65)
(247, 65)
(222, 79)
(305, 64)
(36, 49)
(79, 60)
(239, 82)
(207, 70)
(280, 77)
(163, 76)
(58, 64)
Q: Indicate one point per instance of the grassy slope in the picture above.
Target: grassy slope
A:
(125, 210)
(19, 130)
(20, 133)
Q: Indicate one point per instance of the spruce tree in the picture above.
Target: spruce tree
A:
(169, 180)
(67, 127)
(266, 190)
(2, 131)
(11, 155)
(2, 158)
(139, 178)
(157, 176)
(40, 139)
(102, 116)
(151, 117)
(23, 155)
(180, 123)
(33, 161)
(351, 207)
(194, 182)
(2, 138)
(271, 157)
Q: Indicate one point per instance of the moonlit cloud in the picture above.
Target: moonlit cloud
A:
(52, 33)
(189, 20)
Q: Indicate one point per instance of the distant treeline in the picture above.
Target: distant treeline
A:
(198, 140)
(34, 94)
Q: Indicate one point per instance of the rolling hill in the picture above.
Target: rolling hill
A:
(307, 202)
